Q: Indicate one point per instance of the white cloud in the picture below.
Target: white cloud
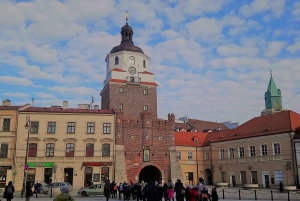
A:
(274, 48)
(276, 7)
(45, 95)
(15, 81)
(17, 95)
(296, 10)
(235, 50)
(75, 91)
(295, 47)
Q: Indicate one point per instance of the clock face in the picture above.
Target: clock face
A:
(132, 70)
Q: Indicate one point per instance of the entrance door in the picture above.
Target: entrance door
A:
(88, 175)
(48, 175)
(150, 174)
(233, 181)
(68, 175)
(267, 181)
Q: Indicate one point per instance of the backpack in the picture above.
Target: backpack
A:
(204, 196)
(121, 187)
(9, 190)
(115, 187)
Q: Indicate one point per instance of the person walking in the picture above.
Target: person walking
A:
(187, 193)
(120, 189)
(179, 190)
(170, 192)
(9, 191)
(281, 187)
(214, 195)
(107, 190)
(28, 191)
(194, 194)
(37, 187)
(165, 187)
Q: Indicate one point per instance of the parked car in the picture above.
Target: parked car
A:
(44, 189)
(96, 189)
(59, 184)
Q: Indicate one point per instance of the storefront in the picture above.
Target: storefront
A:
(3, 175)
(43, 168)
(95, 176)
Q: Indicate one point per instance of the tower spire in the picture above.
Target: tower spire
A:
(126, 16)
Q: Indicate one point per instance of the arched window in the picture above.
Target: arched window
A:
(32, 150)
(70, 148)
(116, 60)
(106, 150)
(50, 149)
(144, 63)
(131, 60)
(89, 150)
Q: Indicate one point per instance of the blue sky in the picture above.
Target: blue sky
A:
(211, 58)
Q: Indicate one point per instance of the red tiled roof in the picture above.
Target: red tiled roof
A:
(281, 122)
(118, 70)
(124, 81)
(13, 107)
(68, 110)
(186, 138)
(146, 72)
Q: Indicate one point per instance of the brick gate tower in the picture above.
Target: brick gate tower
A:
(145, 148)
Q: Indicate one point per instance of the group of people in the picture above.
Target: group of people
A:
(153, 191)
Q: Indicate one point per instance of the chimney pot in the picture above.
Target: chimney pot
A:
(65, 104)
(6, 102)
(96, 107)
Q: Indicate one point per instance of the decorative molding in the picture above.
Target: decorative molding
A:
(90, 140)
(70, 140)
(50, 139)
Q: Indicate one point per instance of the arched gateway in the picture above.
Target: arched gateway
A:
(150, 173)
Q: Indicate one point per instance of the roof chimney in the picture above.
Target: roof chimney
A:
(96, 107)
(6, 102)
(65, 104)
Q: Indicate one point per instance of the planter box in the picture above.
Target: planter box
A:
(221, 185)
(250, 186)
(289, 188)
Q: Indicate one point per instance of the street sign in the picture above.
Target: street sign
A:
(26, 167)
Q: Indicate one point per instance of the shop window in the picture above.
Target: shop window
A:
(106, 128)
(71, 127)
(105, 150)
(3, 173)
(90, 128)
(6, 124)
(70, 148)
(34, 127)
(49, 149)
(104, 174)
(51, 127)
(89, 151)
(4, 150)
(32, 151)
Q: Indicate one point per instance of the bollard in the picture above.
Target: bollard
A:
(271, 195)
(239, 194)
(50, 192)
(288, 195)
(223, 194)
(255, 194)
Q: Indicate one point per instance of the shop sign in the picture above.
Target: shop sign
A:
(96, 163)
(6, 167)
(43, 164)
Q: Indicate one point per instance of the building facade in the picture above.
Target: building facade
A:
(66, 144)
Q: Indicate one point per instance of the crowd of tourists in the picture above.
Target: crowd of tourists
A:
(153, 191)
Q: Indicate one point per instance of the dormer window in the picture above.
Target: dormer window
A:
(144, 63)
(131, 60)
(116, 60)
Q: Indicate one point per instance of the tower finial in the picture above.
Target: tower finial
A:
(271, 72)
(126, 16)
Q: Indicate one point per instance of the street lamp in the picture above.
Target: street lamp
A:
(27, 126)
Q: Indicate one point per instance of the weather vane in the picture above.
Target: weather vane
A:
(126, 16)
(271, 72)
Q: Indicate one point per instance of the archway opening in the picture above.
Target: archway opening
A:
(150, 173)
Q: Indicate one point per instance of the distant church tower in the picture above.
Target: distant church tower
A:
(129, 86)
(273, 99)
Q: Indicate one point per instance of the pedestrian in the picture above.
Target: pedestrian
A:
(214, 195)
(9, 191)
(120, 189)
(205, 196)
(151, 193)
(64, 196)
(160, 192)
(179, 190)
(89, 182)
(187, 193)
(165, 187)
(28, 191)
(107, 190)
(37, 187)
(281, 187)
(115, 190)
(170, 192)
(194, 194)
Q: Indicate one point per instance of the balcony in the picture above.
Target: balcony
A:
(133, 80)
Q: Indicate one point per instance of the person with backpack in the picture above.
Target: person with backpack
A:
(205, 196)
(115, 190)
(107, 190)
(120, 189)
(28, 191)
(9, 191)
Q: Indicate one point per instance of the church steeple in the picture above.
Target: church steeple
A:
(273, 98)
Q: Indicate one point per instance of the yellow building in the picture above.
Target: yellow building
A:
(66, 144)
(8, 119)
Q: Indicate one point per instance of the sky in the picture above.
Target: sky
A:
(210, 58)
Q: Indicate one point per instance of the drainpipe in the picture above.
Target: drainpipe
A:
(114, 156)
(197, 165)
(293, 155)
(15, 145)
(211, 166)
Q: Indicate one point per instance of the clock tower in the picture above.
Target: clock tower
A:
(129, 85)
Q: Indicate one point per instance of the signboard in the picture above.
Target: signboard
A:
(278, 176)
(96, 163)
(6, 167)
(42, 164)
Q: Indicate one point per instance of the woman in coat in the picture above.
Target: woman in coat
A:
(214, 195)
(9, 191)
(28, 191)
(170, 192)
(194, 194)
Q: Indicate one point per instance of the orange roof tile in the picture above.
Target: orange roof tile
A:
(2, 107)
(281, 122)
(118, 70)
(124, 81)
(68, 110)
(146, 72)
(188, 138)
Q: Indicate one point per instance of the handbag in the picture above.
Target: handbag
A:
(182, 191)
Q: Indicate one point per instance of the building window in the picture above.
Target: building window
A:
(71, 127)
(145, 107)
(116, 60)
(206, 156)
(144, 63)
(121, 90)
(190, 155)
(222, 154)
(252, 151)
(145, 92)
(6, 125)
(190, 176)
(121, 106)
(276, 148)
(34, 127)
(178, 155)
(89, 151)
(223, 176)
(231, 152)
(106, 150)
(264, 150)
(70, 149)
(90, 128)
(32, 150)
(50, 149)
(131, 60)
(4, 150)
(106, 128)
(241, 152)
(51, 127)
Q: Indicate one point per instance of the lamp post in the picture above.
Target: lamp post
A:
(27, 126)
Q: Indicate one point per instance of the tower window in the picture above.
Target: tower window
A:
(116, 60)
(121, 106)
(145, 107)
(144, 63)
(121, 90)
(145, 92)
(131, 60)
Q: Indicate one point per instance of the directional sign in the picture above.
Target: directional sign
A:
(26, 167)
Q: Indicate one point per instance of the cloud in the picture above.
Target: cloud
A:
(274, 48)
(235, 50)
(17, 95)
(45, 95)
(296, 10)
(15, 81)
(75, 91)
(295, 47)
(276, 7)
